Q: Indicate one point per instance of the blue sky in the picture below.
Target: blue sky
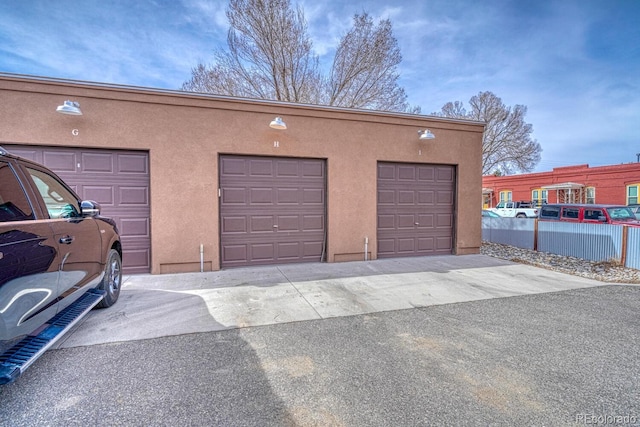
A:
(574, 63)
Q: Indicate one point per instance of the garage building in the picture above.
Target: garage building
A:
(198, 181)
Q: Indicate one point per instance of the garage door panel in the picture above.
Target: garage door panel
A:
(313, 169)
(262, 224)
(286, 209)
(136, 259)
(445, 174)
(426, 244)
(288, 250)
(425, 221)
(287, 168)
(405, 173)
(406, 244)
(311, 249)
(234, 253)
(118, 180)
(262, 252)
(288, 196)
(313, 196)
(445, 197)
(97, 163)
(235, 224)
(260, 168)
(406, 197)
(288, 223)
(426, 174)
(386, 172)
(415, 209)
(386, 222)
(386, 246)
(313, 222)
(444, 243)
(406, 221)
(230, 167)
(133, 196)
(133, 163)
(234, 195)
(386, 197)
(261, 196)
(444, 221)
(59, 162)
(103, 193)
(426, 197)
(135, 227)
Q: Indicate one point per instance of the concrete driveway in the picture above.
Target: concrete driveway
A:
(153, 306)
(411, 342)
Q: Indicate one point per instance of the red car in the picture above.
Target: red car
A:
(587, 213)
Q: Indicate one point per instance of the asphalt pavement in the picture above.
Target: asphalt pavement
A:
(466, 341)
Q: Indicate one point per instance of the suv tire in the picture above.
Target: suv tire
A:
(112, 279)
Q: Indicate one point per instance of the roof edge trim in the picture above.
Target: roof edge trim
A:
(200, 95)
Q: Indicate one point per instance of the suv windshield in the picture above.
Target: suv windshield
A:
(621, 213)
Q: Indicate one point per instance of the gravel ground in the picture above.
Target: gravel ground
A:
(604, 271)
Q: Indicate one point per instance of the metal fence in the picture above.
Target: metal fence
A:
(518, 232)
(594, 242)
(633, 248)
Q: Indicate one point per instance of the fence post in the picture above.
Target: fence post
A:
(623, 256)
(535, 235)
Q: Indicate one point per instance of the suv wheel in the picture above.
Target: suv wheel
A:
(112, 279)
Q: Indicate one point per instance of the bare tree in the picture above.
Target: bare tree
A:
(270, 56)
(364, 72)
(507, 146)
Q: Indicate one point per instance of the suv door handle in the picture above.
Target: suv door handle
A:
(66, 240)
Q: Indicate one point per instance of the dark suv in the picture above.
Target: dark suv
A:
(58, 259)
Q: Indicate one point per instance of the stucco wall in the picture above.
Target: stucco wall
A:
(184, 135)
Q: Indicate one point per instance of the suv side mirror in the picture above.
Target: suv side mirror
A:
(90, 208)
(602, 218)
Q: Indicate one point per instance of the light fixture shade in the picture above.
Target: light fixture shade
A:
(69, 107)
(277, 123)
(426, 134)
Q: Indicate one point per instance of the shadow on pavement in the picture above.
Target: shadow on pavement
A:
(194, 379)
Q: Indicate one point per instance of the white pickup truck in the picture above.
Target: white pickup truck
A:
(516, 210)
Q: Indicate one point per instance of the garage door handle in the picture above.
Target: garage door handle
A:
(416, 223)
(66, 240)
(275, 226)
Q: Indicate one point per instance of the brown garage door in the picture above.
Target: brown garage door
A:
(415, 209)
(272, 210)
(118, 180)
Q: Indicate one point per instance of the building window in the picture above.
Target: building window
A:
(591, 194)
(632, 194)
(539, 197)
(505, 196)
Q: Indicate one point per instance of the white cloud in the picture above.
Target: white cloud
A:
(574, 63)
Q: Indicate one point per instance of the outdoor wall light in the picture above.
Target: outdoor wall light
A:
(426, 134)
(69, 107)
(277, 123)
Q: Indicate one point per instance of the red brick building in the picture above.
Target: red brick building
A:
(616, 184)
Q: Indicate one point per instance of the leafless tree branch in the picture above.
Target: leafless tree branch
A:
(507, 146)
(270, 56)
